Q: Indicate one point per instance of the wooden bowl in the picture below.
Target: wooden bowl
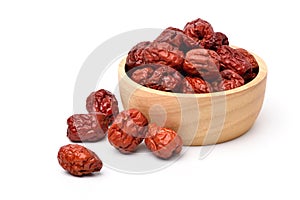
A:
(200, 119)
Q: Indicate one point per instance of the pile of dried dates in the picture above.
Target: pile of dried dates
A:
(125, 130)
(193, 60)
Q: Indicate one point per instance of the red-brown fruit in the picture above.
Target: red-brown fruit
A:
(230, 80)
(165, 54)
(86, 127)
(103, 102)
(142, 73)
(202, 30)
(163, 142)
(232, 59)
(202, 62)
(165, 78)
(193, 85)
(158, 77)
(128, 130)
(135, 56)
(219, 40)
(78, 160)
(177, 38)
(250, 74)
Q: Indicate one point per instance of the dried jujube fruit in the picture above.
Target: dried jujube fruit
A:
(135, 56)
(202, 62)
(230, 80)
(197, 53)
(249, 57)
(164, 78)
(163, 142)
(157, 77)
(142, 73)
(103, 102)
(78, 160)
(177, 38)
(202, 30)
(250, 74)
(128, 130)
(219, 40)
(87, 127)
(234, 60)
(163, 53)
(194, 85)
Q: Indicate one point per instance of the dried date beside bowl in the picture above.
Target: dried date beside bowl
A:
(87, 127)
(128, 130)
(78, 160)
(103, 102)
(163, 142)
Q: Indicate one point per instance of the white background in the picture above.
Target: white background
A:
(42, 47)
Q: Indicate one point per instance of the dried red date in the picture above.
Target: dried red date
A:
(128, 130)
(157, 77)
(193, 85)
(165, 78)
(142, 73)
(250, 74)
(230, 80)
(103, 102)
(163, 142)
(86, 127)
(249, 57)
(202, 62)
(165, 54)
(233, 59)
(219, 40)
(135, 56)
(78, 160)
(177, 38)
(200, 29)
(196, 52)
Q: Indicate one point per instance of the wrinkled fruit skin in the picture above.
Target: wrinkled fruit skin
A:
(249, 57)
(163, 142)
(128, 130)
(197, 54)
(219, 40)
(141, 74)
(103, 102)
(86, 127)
(202, 62)
(178, 39)
(165, 54)
(78, 160)
(251, 74)
(233, 60)
(158, 77)
(202, 30)
(193, 85)
(230, 80)
(135, 56)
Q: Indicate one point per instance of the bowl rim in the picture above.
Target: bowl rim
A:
(262, 74)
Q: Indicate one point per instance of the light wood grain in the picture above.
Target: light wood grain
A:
(200, 119)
